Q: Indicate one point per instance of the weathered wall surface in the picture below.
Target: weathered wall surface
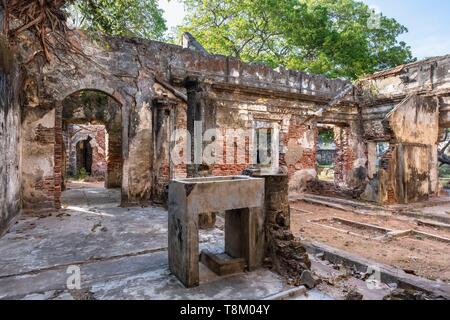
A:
(381, 92)
(10, 138)
(46, 88)
(415, 126)
(408, 107)
(158, 85)
(128, 71)
(409, 170)
(415, 121)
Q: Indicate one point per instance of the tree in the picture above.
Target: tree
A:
(128, 18)
(331, 37)
(326, 136)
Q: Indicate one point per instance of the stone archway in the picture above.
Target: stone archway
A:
(89, 108)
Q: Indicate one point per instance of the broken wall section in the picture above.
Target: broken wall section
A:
(10, 155)
(408, 170)
(383, 91)
(405, 108)
(283, 252)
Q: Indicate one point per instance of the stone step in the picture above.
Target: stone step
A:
(222, 264)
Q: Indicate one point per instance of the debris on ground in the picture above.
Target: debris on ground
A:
(307, 279)
(98, 225)
(409, 294)
(82, 294)
(354, 295)
(419, 256)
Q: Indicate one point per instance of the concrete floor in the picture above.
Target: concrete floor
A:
(121, 252)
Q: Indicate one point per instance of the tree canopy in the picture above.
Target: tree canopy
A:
(337, 38)
(128, 18)
(333, 37)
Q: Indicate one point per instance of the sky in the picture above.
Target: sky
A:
(428, 22)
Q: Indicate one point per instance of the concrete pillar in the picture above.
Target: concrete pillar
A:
(183, 237)
(242, 199)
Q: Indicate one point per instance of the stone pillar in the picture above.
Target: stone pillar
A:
(194, 114)
(199, 109)
(138, 163)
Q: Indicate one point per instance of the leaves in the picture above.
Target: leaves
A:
(331, 37)
(127, 18)
(326, 136)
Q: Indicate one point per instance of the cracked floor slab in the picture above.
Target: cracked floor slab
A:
(121, 253)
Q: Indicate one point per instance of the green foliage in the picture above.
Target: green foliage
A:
(444, 171)
(326, 136)
(128, 18)
(92, 98)
(331, 37)
(82, 174)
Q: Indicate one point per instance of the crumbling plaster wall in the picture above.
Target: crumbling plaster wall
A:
(292, 118)
(233, 94)
(48, 84)
(246, 111)
(10, 137)
(381, 92)
(408, 107)
(415, 126)
(128, 70)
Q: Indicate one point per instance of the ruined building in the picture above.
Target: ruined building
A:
(137, 93)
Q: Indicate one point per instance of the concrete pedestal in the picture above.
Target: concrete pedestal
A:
(241, 197)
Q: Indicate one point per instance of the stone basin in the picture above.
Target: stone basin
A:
(212, 194)
(212, 179)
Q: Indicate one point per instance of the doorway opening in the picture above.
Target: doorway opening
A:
(326, 153)
(84, 156)
(91, 146)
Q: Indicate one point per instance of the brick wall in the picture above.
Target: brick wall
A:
(296, 132)
(99, 165)
(235, 156)
(114, 159)
(344, 155)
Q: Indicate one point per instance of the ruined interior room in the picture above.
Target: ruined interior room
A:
(321, 188)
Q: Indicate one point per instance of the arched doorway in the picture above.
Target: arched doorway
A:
(90, 141)
(84, 156)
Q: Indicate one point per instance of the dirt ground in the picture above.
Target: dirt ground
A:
(415, 254)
